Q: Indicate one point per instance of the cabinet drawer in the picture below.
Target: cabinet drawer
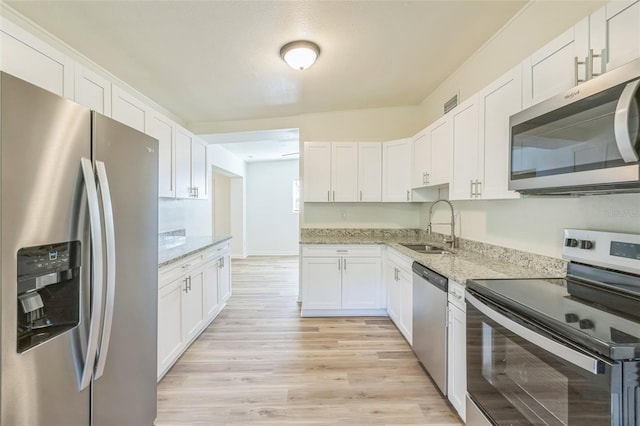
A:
(216, 251)
(341, 250)
(168, 273)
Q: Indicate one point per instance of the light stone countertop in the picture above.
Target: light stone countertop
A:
(167, 256)
(460, 266)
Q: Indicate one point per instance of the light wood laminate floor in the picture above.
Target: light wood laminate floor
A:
(259, 363)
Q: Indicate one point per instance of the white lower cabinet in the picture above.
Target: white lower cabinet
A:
(342, 280)
(457, 350)
(191, 294)
(399, 284)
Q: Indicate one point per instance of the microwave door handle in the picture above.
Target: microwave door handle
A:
(97, 272)
(588, 363)
(621, 123)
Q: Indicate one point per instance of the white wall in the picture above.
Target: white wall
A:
(221, 204)
(272, 226)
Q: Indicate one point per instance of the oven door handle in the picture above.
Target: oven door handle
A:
(588, 363)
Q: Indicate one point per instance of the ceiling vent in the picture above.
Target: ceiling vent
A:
(451, 103)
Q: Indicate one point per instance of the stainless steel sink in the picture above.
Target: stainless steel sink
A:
(425, 249)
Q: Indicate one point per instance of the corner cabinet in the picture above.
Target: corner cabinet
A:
(192, 292)
(342, 280)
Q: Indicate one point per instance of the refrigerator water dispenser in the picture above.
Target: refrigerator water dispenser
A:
(48, 292)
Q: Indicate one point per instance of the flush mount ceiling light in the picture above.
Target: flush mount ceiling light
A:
(300, 54)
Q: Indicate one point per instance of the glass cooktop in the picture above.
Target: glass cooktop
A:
(604, 319)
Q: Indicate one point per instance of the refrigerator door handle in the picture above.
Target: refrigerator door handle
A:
(107, 211)
(97, 272)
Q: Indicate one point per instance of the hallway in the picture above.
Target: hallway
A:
(259, 363)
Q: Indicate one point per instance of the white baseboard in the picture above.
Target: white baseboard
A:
(275, 253)
(343, 312)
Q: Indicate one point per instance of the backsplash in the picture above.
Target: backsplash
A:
(548, 265)
(192, 215)
(173, 238)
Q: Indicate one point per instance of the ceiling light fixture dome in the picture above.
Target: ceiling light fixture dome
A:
(300, 54)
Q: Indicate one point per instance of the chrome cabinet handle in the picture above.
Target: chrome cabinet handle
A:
(339, 264)
(344, 263)
(186, 266)
(621, 122)
(424, 178)
(328, 195)
(110, 239)
(471, 188)
(334, 195)
(185, 288)
(589, 65)
(456, 295)
(97, 260)
(408, 195)
(576, 358)
(189, 278)
(478, 190)
(427, 174)
(360, 195)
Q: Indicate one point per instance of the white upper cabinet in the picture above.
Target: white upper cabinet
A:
(421, 157)
(557, 66)
(162, 129)
(183, 163)
(615, 34)
(92, 90)
(29, 58)
(344, 171)
(396, 170)
(190, 165)
(128, 109)
(199, 168)
(465, 150)
(441, 137)
(370, 171)
(317, 171)
(610, 37)
(497, 102)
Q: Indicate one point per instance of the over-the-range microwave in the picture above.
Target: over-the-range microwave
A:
(585, 140)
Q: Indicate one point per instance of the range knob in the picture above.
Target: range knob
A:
(571, 318)
(586, 244)
(586, 324)
(571, 242)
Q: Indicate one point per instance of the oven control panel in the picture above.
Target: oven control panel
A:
(606, 249)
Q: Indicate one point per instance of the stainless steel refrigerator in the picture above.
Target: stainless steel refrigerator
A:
(79, 223)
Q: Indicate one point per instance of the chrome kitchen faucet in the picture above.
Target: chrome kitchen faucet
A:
(452, 238)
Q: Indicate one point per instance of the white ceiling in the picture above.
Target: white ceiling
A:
(266, 145)
(219, 60)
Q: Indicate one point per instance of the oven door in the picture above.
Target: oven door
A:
(518, 374)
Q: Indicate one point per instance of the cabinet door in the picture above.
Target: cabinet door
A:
(92, 90)
(370, 171)
(211, 299)
(393, 293)
(396, 170)
(497, 103)
(441, 145)
(465, 150)
(361, 283)
(622, 33)
(224, 278)
(552, 69)
(162, 129)
(421, 157)
(169, 324)
(344, 171)
(199, 168)
(192, 305)
(29, 58)
(183, 163)
(317, 171)
(127, 109)
(321, 281)
(405, 279)
(457, 359)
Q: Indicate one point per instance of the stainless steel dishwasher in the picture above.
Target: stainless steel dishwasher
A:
(430, 323)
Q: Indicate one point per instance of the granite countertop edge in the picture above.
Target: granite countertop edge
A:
(460, 267)
(192, 245)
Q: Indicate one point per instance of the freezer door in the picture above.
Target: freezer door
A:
(43, 203)
(124, 388)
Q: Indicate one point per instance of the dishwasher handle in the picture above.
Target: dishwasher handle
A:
(431, 277)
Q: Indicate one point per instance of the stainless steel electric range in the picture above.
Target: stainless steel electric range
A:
(560, 351)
